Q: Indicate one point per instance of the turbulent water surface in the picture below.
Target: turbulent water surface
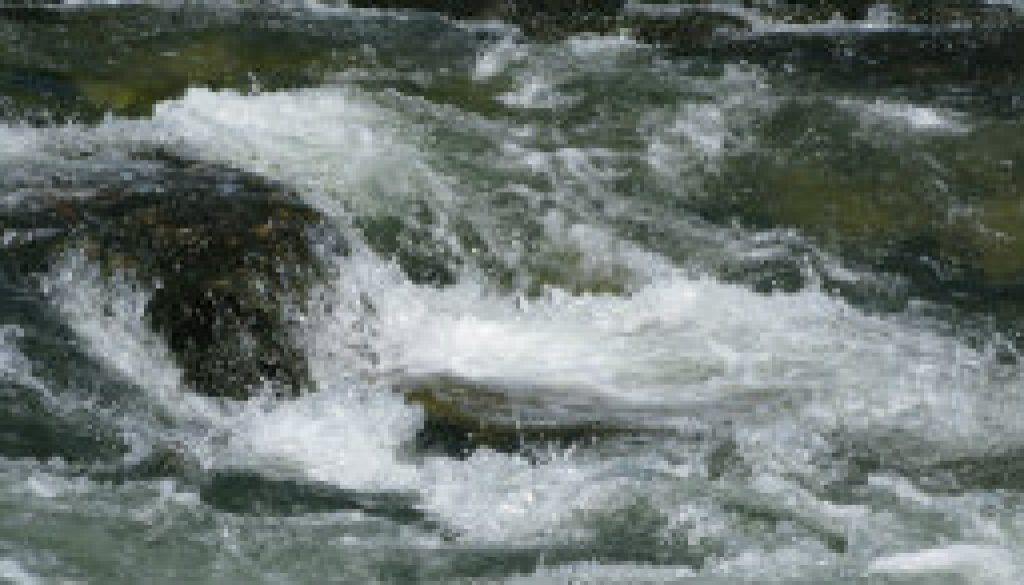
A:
(311, 293)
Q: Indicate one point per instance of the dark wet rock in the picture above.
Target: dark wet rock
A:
(32, 94)
(905, 11)
(243, 492)
(223, 258)
(163, 462)
(537, 18)
(221, 270)
(408, 241)
(929, 470)
(685, 25)
(462, 416)
(996, 471)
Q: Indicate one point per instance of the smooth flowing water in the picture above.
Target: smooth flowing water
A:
(310, 293)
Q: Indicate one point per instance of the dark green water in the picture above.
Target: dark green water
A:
(295, 293)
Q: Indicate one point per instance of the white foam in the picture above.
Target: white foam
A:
(683, 341)
(587, 573)
(17, 142)
(536, 92)
(540, 72)
(11, 571)
(908, 116)
(336, 436)
(349, 439)
(353, 440)
(694, 137)
(703, 125)
(494, 498)
(334, 146)
(980, 564)
(109, 316)
(496, 58)
(349, 433)
(802, 561)
(589, 45)
(787, 369)
(14, 366)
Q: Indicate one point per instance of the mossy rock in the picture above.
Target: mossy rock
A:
(225, 260)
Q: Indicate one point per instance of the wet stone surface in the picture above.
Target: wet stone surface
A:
(222, 258)
(221, 269)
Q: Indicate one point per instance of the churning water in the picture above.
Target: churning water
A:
(576, 307)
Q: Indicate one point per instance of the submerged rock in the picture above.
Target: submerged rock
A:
(250, 493)
(80, 63)
(946, 218)
(461, 416)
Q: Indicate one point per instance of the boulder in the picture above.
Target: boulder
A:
(223, 258)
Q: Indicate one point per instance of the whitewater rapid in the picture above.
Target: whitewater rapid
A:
(754, 413)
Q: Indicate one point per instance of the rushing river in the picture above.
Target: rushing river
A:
(307, 293)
